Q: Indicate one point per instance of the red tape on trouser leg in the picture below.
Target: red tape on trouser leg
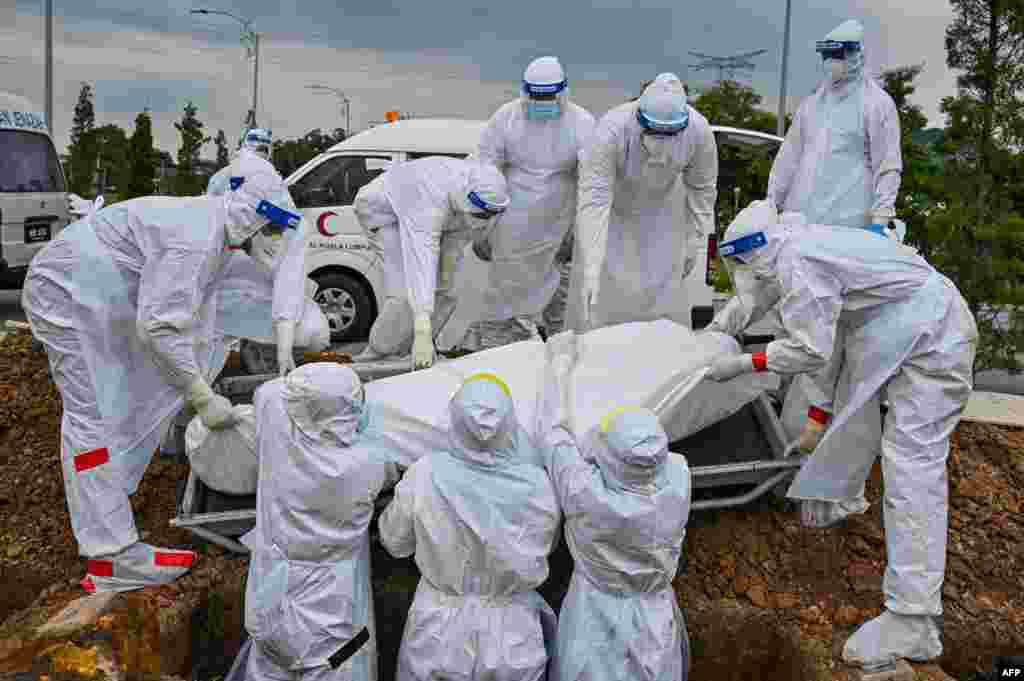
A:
(91, 459)
(167, 559)
(100, 568)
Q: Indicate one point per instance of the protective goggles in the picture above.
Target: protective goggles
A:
(488, 209)
(546, 91)
(278, 216)
(653, 126)
(836, 49)
(258, 137)
(737, 248)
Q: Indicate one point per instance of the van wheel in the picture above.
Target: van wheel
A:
(347, 305)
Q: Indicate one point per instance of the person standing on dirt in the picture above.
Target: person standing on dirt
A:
(535, 140)
(910, 335)
(308, 602)
(626, 501)
(420, 215)
(481, 519)
(125, 301)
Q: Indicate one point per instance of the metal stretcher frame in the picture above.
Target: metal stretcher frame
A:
(766, 473)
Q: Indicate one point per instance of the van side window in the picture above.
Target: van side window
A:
(336, 181)
(28, 163)
(413, 155)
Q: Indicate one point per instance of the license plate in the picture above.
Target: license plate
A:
(36, 233)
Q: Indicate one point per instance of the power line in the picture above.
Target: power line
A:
(729, 66)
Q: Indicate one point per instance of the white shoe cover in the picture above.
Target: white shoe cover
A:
(138, 566)
(822, 514)
(890, 636)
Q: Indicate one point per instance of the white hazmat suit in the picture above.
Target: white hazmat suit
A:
(125, 304)
(538, 154)
(309, 605)
(421, 215)
(909, 333)
(292, 319)
(646, 201)
(481, 519)
(840, 164)
(626, 501)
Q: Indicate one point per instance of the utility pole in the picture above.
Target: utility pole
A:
(785, 72)
(49, 66)
(255, 75)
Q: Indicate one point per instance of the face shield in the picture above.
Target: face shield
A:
(259, 141)
(662, 114)
(544, 90)
(840, 59)
(483, 208)
(634, 448)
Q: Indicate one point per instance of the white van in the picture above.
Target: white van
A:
(349, 275)
(33, 198)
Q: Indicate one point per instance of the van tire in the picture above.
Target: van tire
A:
(355, 303)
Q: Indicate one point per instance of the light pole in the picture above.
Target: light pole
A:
(48, 76)
(785, 72)
(340, 95)
(251, 40)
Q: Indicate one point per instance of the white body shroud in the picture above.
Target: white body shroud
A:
(642, 363)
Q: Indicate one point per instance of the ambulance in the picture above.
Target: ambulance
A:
(33, 195)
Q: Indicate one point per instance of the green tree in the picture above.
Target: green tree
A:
(223, 156)
(82, 150)
(736, 105)
(290, 155)
(113, 150)
(976, 237)
(189, 181)
(142, 160)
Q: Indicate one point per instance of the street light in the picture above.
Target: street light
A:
(251, 40)
(785, 69)
(340, 95)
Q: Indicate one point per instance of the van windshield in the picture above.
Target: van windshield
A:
(28, 163)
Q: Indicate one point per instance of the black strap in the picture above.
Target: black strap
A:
(349, 649)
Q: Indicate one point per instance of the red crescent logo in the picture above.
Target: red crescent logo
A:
(321, 222)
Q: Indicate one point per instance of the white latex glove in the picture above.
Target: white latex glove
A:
(284, 336)
(729, 367)
(215, 411)
(448, 263)
(811, 435)
(78, 206)
(562, 351)
(690, 260)
(423, 343)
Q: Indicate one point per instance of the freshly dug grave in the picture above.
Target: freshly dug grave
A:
(764, 597)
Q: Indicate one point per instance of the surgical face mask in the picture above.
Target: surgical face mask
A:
(837, 69)
(543, 109)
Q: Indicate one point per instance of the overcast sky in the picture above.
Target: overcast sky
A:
(434, 57)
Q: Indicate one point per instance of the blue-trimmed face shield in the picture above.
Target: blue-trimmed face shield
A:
(544, 101)
(279, 218)
(742, 247)
(663, 128)
(486, 205)
(836, 49)
(236, 182)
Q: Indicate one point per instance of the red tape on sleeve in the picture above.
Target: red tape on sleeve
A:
(164, 559)
(760, 360)
(819, 415)
(91, 459)
(100, 568)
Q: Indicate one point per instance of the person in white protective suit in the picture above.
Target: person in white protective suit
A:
(258, 141)
(840, 165)
(292, 320)
(308, 603)
(535, 140)
(481, 519)
(908, 333)
(421, 215)
(125, 302)
(647, 187)
(626, 501)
